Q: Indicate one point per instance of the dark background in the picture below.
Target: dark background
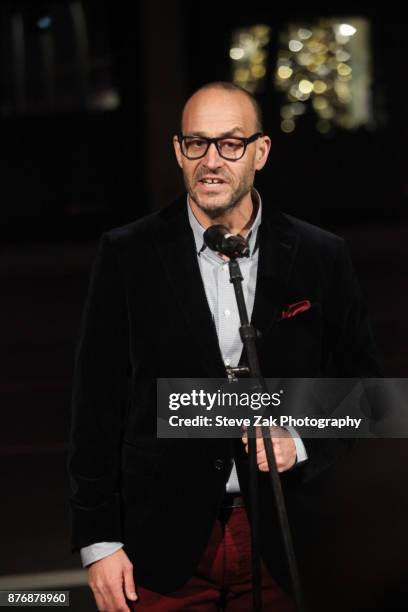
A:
(69, 172)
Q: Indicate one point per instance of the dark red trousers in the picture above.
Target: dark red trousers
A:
(222, 580)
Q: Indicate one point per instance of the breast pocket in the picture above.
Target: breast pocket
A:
(294, 346)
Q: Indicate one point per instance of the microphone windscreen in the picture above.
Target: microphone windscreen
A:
(213, 237)
(219, 238)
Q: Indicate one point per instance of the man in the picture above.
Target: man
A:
(151, 516)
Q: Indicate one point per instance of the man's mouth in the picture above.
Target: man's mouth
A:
(211, 181)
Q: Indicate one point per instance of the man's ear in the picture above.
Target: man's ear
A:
(262, 152)
(177, 151)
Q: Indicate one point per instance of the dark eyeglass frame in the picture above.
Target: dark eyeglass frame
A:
(210, 141)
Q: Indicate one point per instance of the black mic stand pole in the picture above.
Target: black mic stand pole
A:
(248, 337)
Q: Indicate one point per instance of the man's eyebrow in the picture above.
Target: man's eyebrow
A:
(231, 132)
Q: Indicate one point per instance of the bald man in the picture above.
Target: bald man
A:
(162, 524)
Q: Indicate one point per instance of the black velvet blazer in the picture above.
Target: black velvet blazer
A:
(146, 316)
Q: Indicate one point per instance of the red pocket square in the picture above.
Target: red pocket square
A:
(293, 309)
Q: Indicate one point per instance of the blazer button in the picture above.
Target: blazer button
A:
(218, 464)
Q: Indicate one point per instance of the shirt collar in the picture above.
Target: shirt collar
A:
(252, 235)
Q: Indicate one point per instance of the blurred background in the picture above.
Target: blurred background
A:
(91, 93)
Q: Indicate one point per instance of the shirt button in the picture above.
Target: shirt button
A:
(227, 313)
(218, 464)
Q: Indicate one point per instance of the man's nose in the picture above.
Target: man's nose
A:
(212, 158)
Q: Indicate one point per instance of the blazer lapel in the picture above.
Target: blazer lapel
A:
(278, 243)
(175, 243)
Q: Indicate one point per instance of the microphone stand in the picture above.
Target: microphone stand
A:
(248, 337)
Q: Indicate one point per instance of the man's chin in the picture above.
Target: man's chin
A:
(213, 207)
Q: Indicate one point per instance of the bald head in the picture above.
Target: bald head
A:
(227, 94)
(219, 186)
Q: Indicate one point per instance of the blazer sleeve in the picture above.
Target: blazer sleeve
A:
(99, 398)
(353, 352)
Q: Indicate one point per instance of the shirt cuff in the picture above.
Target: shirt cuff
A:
(95, 552)
(301, 454)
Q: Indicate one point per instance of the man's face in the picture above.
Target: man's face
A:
(214, 113)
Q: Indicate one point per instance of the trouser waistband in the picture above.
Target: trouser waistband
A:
(232, 500)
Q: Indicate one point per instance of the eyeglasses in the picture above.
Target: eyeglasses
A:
(229, 148)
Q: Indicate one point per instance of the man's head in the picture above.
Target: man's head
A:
(215, 184)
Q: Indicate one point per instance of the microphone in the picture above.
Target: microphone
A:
(218, 238)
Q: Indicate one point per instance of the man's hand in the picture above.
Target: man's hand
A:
(110, 579)
(283, 447)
